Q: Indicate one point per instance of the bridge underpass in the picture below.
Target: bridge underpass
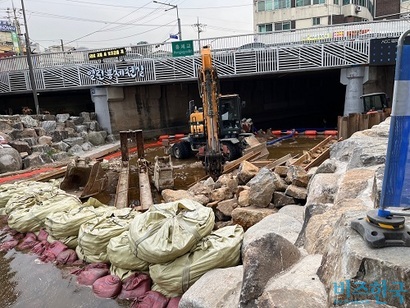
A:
(280, 101)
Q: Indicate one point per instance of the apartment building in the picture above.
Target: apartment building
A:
(277, 15)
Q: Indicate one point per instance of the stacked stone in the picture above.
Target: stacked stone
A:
(39, 139)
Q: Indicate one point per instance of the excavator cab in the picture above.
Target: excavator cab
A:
(374, 102)
(229, 115)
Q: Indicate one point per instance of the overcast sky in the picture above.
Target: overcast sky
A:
(116, 23)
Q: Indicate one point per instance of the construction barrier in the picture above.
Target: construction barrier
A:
(331, 132)
(310, 132)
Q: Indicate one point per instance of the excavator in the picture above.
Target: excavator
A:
(216, 133)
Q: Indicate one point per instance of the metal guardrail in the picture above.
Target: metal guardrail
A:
(304, 49)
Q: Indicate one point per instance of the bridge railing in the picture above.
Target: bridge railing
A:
(339, 32)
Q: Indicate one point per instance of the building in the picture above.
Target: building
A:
(9, 44)
(277, 15)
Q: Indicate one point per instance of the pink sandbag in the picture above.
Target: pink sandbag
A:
(6, 246)
(40, 247)
(89, 276)
(51, 253)
(151, 299)
(67, 256)
(42, 235)
(28, 242)
(135, 286)
(108, 286)
(90, 266)
(174, 302)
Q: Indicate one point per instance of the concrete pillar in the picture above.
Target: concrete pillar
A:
(353, 78)
(100, 100)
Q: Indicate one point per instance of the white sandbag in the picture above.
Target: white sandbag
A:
(120, 254)
(94, 235)
(67, 223)
(32, 218)
(220, 249)
(169, 230)
(29, 195)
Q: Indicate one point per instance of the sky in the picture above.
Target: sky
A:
(120, 23)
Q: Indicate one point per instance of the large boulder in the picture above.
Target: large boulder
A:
(261, 188)
(249, 216)
(10, 160)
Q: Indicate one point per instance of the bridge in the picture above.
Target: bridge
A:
(337, 46)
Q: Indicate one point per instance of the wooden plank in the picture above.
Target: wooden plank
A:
(121, 196)
(353, 123)
(313, 151)
(364, 122)
(146, 199)
(342, 129)
(278, 162)
(318, 160)
(235, 163)
(55, 174)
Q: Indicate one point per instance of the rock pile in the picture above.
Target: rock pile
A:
(39, 139)
(306, 255)
(248, 194)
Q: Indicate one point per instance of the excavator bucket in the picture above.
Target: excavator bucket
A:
(84, 179)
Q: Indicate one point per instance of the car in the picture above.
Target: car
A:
(252, 46)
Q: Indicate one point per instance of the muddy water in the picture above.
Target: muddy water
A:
(24, 282)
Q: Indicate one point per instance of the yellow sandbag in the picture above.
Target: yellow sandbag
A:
(94, 235)
(32, 218)
(169, 230)
(222, 248)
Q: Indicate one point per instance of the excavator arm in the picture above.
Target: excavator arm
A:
(209, 92)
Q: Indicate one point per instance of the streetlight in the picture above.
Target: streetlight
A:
(29, 62)
(173, 6)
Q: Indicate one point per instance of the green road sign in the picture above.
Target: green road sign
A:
(182, 48)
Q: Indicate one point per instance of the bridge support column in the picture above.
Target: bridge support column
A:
(101, 97)
(353, 78)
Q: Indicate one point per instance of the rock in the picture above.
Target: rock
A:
(280, 199)
(298, 287)
(279, 183)
(170, 195)
(220, 194)
(323, 188)
(20, 146)
(320, 227)
(40, 131)
(328, 166)
(75, 150)
(261, 188)
(75, 120)
(377, 186)
(264, 254)
(28, 133)
(204, 200)
(45, 140)
(42, 148)
(110, 138)
(295, 211)
(36, 159)
(31, 141)
(5, 126)
(200, 188)
(96, 138)
(225, 208)
(216, 288)
(297, 176)
(243, 197)
(87, 146)
(94, 126)
(85, 116)
(29, 122)
(248, 216)
(246, 172)
(74, 141)
(355, 183)
(62, 117)
(282, 170)
(227, 180)
(59, 156)
(349, 258)
(81, 128)
(10, 160)
(49, 126)
(60, 146)
(296, 192)
(59, 135)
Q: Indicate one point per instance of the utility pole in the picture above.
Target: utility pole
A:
(62, 45)
(18, 29)
(173, 6)
(199, 28)
(29, 62)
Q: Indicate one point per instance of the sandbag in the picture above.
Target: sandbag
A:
(52, 251)
(135, 286)
(107, 287)
(32, 218)
(169, 230)
(222, 248)
(151, 299)
(120, 255)
(120, 272)
(94, 235)
(88, 276)
(27, 194)
(67, 256)
(67, 223)
(28, 242)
